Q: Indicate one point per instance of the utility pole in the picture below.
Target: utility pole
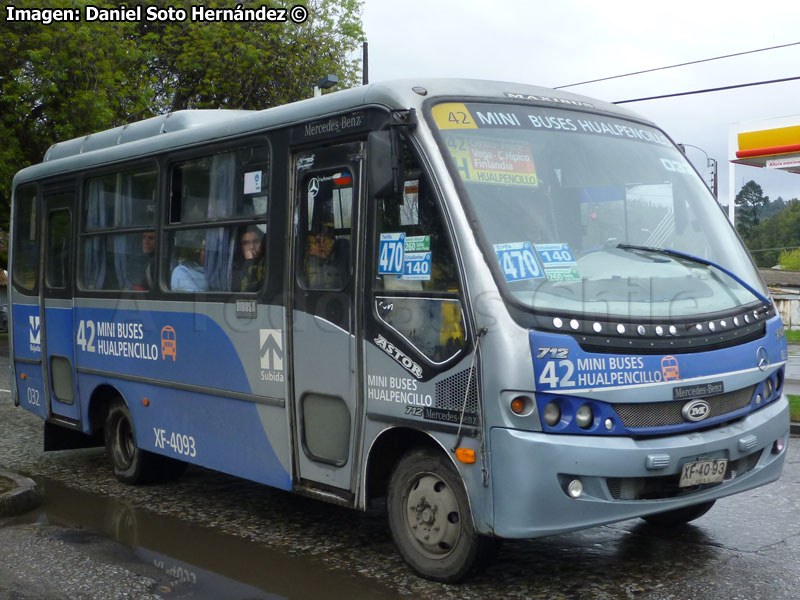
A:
(711, 163)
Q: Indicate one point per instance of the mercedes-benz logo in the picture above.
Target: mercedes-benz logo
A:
(762, 358)
(313, 188)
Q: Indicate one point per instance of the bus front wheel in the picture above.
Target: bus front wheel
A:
(431, 522)
(130, 463)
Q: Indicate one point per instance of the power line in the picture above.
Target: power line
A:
(693, 62)
(707, 90)
(773, 249)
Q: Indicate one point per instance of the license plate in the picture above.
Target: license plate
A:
(703, 471)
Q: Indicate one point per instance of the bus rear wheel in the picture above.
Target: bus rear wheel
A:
(130, 464)
(431, 522)
(679, 516)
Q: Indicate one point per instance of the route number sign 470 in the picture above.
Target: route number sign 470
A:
(518, 261)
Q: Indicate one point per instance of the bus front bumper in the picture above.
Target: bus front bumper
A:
(623, 478)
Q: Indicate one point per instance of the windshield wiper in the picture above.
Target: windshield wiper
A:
(699, 260)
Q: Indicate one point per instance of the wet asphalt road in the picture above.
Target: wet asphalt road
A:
(745, 548)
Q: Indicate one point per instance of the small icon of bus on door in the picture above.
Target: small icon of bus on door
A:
(169, 343)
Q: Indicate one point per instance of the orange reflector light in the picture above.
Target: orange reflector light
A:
(518, 406)
(23, 376)
(145, 401)
(465, 455)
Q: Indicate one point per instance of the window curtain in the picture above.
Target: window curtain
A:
(94, 248)
(220, 241)
(123, 216)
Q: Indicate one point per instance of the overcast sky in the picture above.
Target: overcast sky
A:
(558, 43)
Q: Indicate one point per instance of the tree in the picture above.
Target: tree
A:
(780, 231)
(773, 208)
(65, 80)
(750, 202)
(251, 65)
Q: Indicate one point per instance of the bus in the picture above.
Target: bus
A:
(498, 310)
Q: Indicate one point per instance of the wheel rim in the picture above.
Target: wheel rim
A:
(124, 443)
(432, 516)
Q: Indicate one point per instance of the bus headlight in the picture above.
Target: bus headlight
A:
(551, 414)
(584, 417)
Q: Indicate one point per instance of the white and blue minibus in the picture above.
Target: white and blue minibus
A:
(508, 311)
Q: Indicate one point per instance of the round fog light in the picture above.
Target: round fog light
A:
(584, 417)
(551, 414)
(575, 488)
(521, 405)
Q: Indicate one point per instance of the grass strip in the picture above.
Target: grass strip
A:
(794, 408)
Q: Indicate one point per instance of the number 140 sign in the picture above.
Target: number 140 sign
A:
(518, 261)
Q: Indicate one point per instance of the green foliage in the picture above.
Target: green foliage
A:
(779, 231)
(794, 408)
(773, 208)
(750, 202)
(793, 336)
(65, 80)
(790, 260)
(251, 65)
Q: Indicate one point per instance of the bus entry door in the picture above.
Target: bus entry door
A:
(327, 189)
(58, 329)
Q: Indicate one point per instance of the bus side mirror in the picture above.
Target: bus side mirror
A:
(381, 168)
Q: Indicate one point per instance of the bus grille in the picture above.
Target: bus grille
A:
(660, 414)
(655, 488)
(450, 392)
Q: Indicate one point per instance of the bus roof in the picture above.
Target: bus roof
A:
(190, 127)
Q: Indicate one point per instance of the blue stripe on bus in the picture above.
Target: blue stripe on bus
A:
(172, 346)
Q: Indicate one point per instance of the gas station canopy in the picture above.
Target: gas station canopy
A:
(771, 143)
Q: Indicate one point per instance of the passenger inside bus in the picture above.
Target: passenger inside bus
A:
(189, 274)
(148, 251)
(326, 259)
(249, 267)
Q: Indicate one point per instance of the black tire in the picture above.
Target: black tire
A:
(130, 464)
(679, 516)
(431, 522)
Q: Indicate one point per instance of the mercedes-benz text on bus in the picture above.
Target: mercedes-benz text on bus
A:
(510, 311)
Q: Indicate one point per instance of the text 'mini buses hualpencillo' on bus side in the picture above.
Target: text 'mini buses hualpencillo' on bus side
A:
(510, 311)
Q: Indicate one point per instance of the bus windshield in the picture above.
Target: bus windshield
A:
(580, 212)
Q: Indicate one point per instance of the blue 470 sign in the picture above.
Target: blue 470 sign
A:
(518, 261)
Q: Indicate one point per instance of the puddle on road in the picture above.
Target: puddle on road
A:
(205, 562)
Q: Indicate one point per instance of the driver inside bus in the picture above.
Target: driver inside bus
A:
(326, 259)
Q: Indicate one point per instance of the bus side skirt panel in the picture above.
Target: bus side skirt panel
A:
(61, 438)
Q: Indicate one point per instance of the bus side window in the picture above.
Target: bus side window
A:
(411, 223)
(59, 232)
(26, 240)
(109, 257)
(325, 230)
(206, 192)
